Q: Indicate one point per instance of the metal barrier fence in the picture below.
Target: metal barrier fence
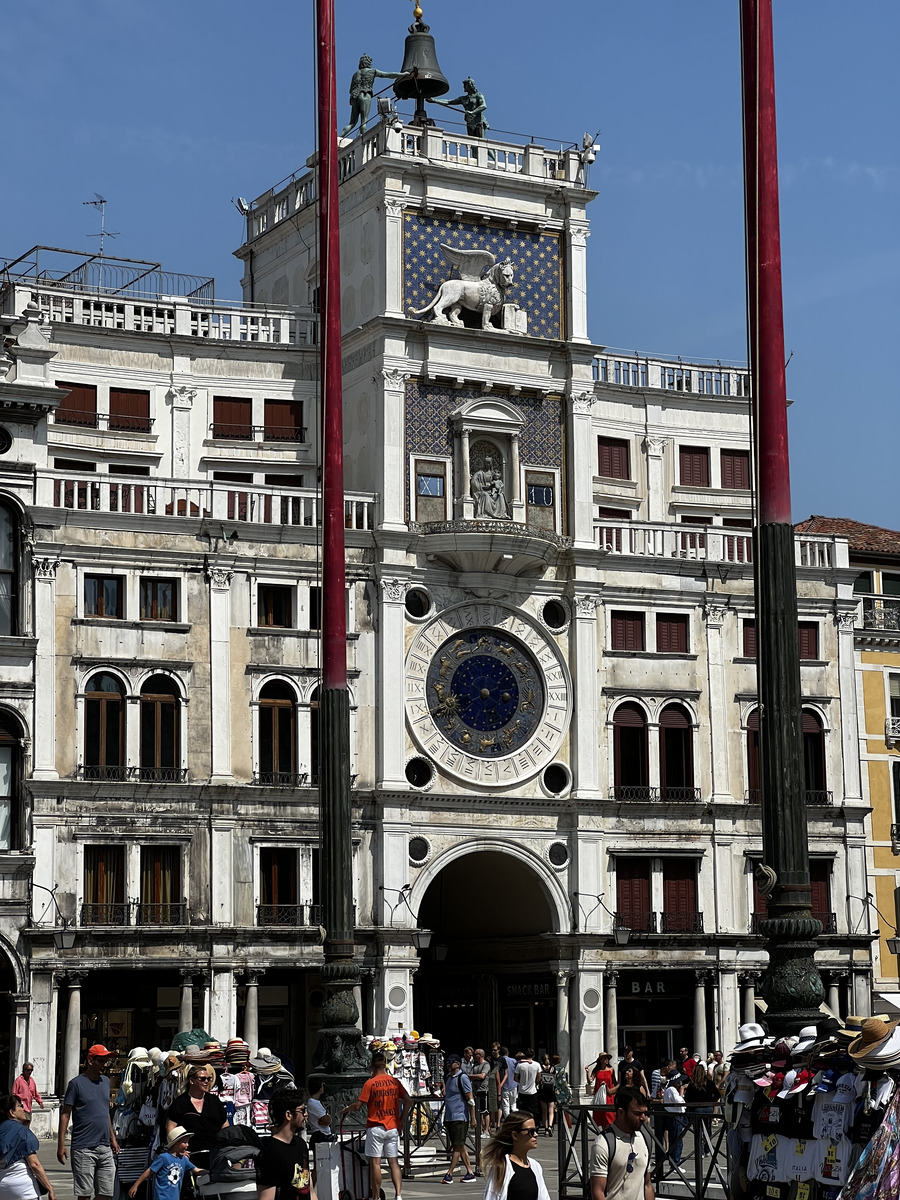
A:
(426, 1148)
(702, 1171)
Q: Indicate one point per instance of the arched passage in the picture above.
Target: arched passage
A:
(487, 974)
(9, 985)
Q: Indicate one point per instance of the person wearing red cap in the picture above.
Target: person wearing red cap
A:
(86, 1105)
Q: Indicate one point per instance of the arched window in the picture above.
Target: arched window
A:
(277, 735)
(9, 590)
(314, 738)
(753, 784)
(814, 758)
(630, 753)
(676, 754)
(104, 728)
(160, 730)
(11, 817)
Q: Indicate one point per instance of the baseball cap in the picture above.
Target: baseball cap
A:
(98, 1051)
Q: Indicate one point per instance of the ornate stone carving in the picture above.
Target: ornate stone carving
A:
(586, 606)
(655, 445)
(394, 379)
(578, 235)
(475, 290)
(393, 208)
(610, 978)
(45, 568)
(182, 396)
(219, 577)
(487, 484)
(582, 402)
(393, 589)
(563, 977)
(546, 535)
(715, 613)
(846, 621)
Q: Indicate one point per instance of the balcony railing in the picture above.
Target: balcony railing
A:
(680, 921)
(813, 796)
(199, 500)
(118, 774)
(663, 795)
(281, 779)
(704, 379)
(714, 544)
(883, 615)
(895, 839)
(828, 919)
(254, 433)
(171, 913)
(112, 421)
(108, 774)
(106, 914)
(635, 920)
(294, 915)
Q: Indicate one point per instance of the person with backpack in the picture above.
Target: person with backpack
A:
(168, 1167)
(620, 1160)
(459, 1117)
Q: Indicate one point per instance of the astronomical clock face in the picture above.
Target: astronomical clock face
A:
(487, 695)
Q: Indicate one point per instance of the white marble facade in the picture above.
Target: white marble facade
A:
(620, 582)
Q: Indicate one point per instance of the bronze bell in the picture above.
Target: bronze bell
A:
(424, 78)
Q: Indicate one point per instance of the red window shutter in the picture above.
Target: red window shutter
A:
(819, 879)
(753, 754)
(613, 458)
(231, 417)
(629, 715)
(673, 716)
(736, 469)
(627, 631)
(633, 891)
(613, 514)
(808, 639)
(80, 404)
(129, 409)
(679, 885)
(671, 635)
(283, 420)
(811, 723)
(749, 648)
(694, 466)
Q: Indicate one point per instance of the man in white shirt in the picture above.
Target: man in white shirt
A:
(620, 1160)
(527, 1080)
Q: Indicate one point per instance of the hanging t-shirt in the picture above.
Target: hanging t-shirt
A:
(830, 1117)
(833, 1161)
(796, 1158)
(763, 1161)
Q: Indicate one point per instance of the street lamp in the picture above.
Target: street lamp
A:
(893, 945)
(621, 935)
(63, 939)
(421, 938)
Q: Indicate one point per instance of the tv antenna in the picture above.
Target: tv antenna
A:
(100, 203)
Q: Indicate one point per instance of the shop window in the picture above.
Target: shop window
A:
(283, 421)
(103, 596)
(159, 599)
(672, 634)
(813, 757)
(278, 891)
(104, 728)
(753, 781)
(540, 500)
(748, 632)
(129, 409)
(630, 752)
(232, 418)
(430, 498)
(79, 407)
(277, 734)
(161, 900)
(676, 753)
(12, 831)
(808, 639)
(104, 886)
(160, 730)
(627, 631)
(9, 575)
(274, 606)
(633, 894)
(736, 469)
(693, 464)
(314, 739)
(679, 882)
(613, 458)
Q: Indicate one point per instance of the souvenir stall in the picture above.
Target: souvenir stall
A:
(816, 1117)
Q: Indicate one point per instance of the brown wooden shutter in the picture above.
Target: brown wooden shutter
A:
(820, 879)
(694, 466)
(679, 893)
(749, 639)
(808, 639)
(633, 892)
(671, 634)
(736, 469)
(613, 458)
(613, 514)
(129, 409)
(627, 631)
(80, 406)
(283, 420)
(231, 417)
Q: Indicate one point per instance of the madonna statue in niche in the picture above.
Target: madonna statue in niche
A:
(487, 485)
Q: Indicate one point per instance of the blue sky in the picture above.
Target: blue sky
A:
(170, 109)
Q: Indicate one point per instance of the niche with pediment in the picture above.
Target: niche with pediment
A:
(487, 480)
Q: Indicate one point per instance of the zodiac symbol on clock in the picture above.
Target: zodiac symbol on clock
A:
(507, 650)
(506, 738)
(439, 689)
(522, 668)
(460, 647)
(527, 704)
(449, 707)
(445, 666)
(486, 743)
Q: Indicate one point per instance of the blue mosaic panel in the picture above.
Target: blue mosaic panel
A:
(429, 431)
(538, 286)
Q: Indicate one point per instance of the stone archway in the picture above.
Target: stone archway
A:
(488, 973)
(10, 1034)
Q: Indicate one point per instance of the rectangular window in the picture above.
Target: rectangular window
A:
(232, 477)
(680, 895)
(232, 418)
(104, 886)
(161, 898)
(820, 885)
(672, 634)
(274, 606)
(863, 583)
(633, 894)
(284, 421)
(890, 584)
(736, 469)
(284, 481)
(79, 407)
(627, 631)
(613, 458)
(159, 599)
(278, 886)
(748, 628)
(693, 466)
(73, 464)
(738, 547)
(103, 596)
(129, 409)
(808, 639)
(894, 685)
(315, 608)
(431, 487)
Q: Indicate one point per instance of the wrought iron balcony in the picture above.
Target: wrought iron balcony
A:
(106, 914)
(884, 617)
(172, 913)
(636, 921)
(281, 779)
(679, 795)
(158, 774)
(113, 773)
(282, 433)
(664, 795)
(289, 915)
(680, 921)
(812, 796)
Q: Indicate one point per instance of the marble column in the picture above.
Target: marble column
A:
(748, 998)
(72, 1045)
(729, 1017)
(20, 1047)
(222, 1001)
(251, 1011)
(576, 288)
(369, 977)
(186, 1005)
(393, 251)
(698, 1046)
(562, 1015)
(464, 508)
(44, 765)
(833, 992)
(611, 1032)
(718, 707)
(220, 670)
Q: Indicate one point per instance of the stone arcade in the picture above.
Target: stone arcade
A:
(551, 655)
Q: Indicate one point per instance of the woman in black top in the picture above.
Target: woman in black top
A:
(509, 1173)
(201, 1114)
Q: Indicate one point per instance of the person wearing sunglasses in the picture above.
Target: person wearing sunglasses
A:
(200, 1112)
(509, 1173)
(620, 1160)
